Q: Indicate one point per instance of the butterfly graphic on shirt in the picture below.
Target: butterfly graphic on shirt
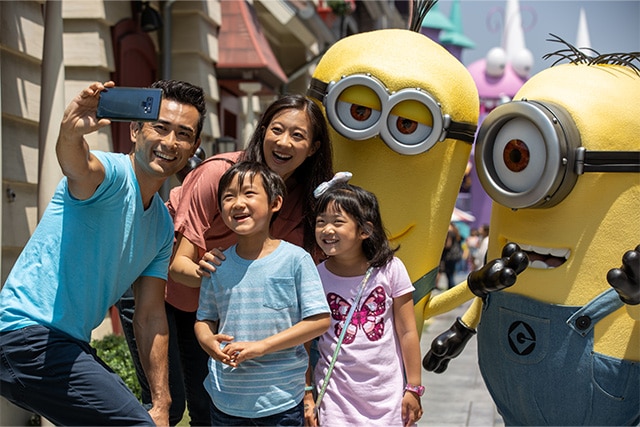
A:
(368, 317)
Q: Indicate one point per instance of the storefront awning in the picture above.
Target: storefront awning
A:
(244, 53)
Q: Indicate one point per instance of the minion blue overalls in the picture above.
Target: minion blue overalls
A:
(538, 363)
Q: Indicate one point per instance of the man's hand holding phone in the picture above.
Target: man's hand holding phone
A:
(129, 104)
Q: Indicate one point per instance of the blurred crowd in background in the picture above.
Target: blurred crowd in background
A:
(463, 252)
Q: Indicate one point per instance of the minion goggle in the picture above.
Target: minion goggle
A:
(529, 155)
(409, 121)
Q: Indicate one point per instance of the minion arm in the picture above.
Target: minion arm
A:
(493, 276)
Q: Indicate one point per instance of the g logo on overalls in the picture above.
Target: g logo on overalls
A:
(522, 338)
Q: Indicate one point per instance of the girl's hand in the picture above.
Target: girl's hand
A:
(207, 264)
(411, 408)
(310, 419)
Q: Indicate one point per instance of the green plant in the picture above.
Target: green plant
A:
(339, 7)
(114, 351)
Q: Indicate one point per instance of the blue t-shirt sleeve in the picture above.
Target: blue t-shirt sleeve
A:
(108, 187)
(207, 309)
(311, 294)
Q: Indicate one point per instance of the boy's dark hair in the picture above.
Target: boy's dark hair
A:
(363, 206)
(184, 93)
(315, 169)
(271, 181)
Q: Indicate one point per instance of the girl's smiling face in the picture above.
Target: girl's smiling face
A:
(288, 141)
(338, 234)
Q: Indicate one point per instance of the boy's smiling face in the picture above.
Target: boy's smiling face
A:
(245, 206)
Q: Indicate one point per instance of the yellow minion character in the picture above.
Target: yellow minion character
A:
(562, 164)
(403, 113)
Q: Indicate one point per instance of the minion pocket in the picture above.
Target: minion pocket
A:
(524, 339)
(608, 373)
(279, 293)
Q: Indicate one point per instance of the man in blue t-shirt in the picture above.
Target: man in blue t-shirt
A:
(105, 228)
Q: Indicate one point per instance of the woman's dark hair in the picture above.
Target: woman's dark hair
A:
(272, 182)
(363, 207)
(316, 168)
(184, 93)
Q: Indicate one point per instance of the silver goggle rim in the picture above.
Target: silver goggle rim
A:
(561, 139)
(381, 126)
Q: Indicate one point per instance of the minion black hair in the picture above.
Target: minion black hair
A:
(419, 10)
(576, 56)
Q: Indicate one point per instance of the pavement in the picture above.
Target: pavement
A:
(458, 396)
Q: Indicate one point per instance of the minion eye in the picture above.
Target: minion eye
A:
(358, 108)
(357, 116)
(519, 154)
(525, 154)
(410, 122)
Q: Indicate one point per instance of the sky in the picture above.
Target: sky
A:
(614, 26)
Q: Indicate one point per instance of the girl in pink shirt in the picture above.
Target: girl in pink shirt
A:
(376, 378)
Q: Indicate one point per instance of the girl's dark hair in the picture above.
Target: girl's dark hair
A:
(363, 207)
(314, 170)
(184, 93)
(271, 181)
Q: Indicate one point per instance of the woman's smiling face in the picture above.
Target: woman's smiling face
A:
(288, 141)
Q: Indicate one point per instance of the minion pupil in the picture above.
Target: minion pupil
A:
(355, 117)
(513, 173)
(360, 112)
(516, 155)
(406, 126)
(407, 132)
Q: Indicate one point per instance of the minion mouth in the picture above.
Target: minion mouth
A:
(545, 258)
(401, 233)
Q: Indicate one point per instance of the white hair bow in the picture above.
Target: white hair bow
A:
(337, 178)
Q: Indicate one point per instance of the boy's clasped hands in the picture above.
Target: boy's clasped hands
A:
(234, 353)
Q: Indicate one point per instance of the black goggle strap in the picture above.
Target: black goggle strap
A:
(607, 161)
(317, 89)
(465, 132)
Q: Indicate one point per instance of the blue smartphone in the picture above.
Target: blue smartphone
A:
(129, 104)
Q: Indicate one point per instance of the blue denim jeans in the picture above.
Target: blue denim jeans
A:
(290, 417)
(538, 362)
(188, 363)
(61, 378)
